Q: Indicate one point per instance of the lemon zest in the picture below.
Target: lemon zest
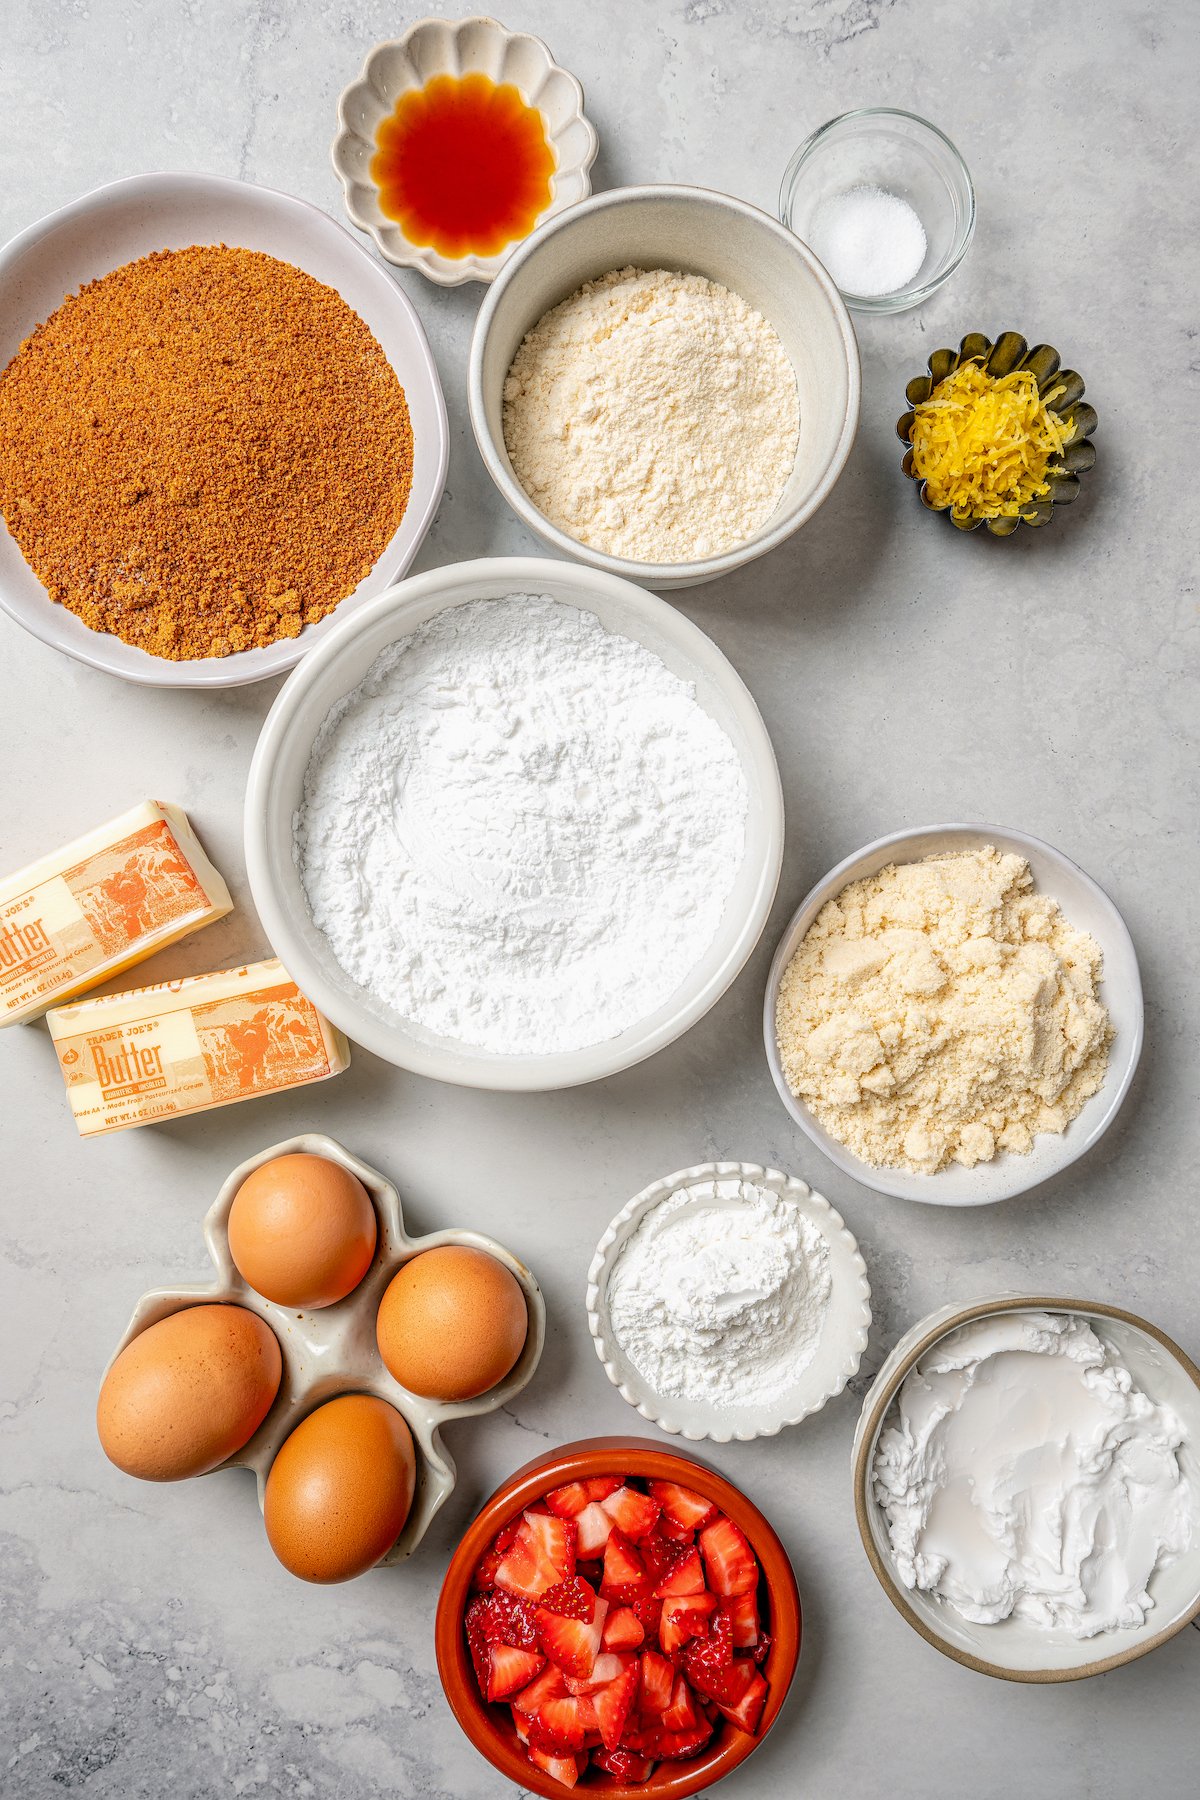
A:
(982, 444)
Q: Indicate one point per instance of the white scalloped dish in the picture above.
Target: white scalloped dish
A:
(333, 1351)
(839, 1349)
(457, 47)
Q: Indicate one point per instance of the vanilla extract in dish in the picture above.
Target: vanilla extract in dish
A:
(521, 830)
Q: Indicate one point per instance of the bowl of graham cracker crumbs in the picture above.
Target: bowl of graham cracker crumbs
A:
(220, 426)
(954, 1014)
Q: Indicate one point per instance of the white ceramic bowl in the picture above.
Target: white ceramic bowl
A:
(333, 1351)
(843, 1337)
(1087, 906)
(1014, 1649)
(698, 232)
(130, 219)
(337, 666)
(457, 47)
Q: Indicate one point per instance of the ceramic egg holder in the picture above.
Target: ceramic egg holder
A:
(332, 1350)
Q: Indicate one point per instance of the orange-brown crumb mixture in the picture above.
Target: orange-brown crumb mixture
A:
(203, 451)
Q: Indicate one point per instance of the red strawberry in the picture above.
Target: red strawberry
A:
(566, 1502)
(566, 1769)
(686, 1576)
(681, 1715)
(562, 1725)
(550, 1685)
(593, 1525)
(572, 1599)
(623, 1765)
(743, 1699)
(632, 1511)
(711, 1651)
(623, 1567)
(599, 1487)
(677, 1534)
(742, 1613)
(728, 1558)
(684, 1616)
(639, 1599)
(541, 1554)
(572, 1644)
(670, 1746)
(683, 1505)
(622, 1630)
(659, 1554)
(614, 1703)
(607, 1666)
(497, 1618)
(657, 1684)
(510, 1670)
(759, 1653)
(485, 1573)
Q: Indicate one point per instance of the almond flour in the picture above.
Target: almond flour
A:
(943, 1011)
(653, 416)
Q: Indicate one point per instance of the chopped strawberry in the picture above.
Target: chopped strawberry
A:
(710, 1651)
(759, 1653)
(572, 1644)
(638, 1598)
(510, 1670)
(599, 1487)
(561, 1726)
(614, 1703)
(745, 1708)
(485, 1573)
(683, 1505)
(607, 1666)
(623, 1567)
(681, 1715)
(623, 1765)
(632, 1511)
(669, 1746)
(551, 1684)
(567, 1501)
(736, 1685)
(742, 1612)
(728, 1558)
(684, 1616)
(566, 1769)
(657, 1684)
(496, 1618)
(541, 1554)
(572, 1599)
(593, 1525)
(659, 1554)
(686, 1576)
(678, 1534)
(623, 1630)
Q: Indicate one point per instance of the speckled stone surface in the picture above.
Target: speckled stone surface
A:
(149, 1644)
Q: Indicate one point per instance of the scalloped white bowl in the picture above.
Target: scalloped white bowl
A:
(332, 1350)
(457, 47)
(839, 1349)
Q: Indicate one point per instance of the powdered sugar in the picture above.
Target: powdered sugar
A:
(520, 830)
(721, 1293)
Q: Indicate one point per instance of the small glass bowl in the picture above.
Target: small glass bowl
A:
(878, 146)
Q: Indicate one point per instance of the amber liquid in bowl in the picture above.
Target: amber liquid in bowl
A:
(463, 165)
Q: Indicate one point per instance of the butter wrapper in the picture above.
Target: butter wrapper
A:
(184, 1046)
(100, 905)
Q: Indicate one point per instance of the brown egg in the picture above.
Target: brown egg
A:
(188, 1392)
(452, 1323)
(302, 1231)
(340, 1488)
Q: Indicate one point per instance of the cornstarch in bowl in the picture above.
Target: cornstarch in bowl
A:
(520, 830)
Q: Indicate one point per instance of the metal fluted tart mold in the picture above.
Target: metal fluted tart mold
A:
(1000, 357)
(332, 1350)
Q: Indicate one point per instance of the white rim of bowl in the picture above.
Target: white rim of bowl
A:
(495, 457)
(832, 1226)
(925, 1335)
(522, 1074)
(877, 1178)
(227, 671)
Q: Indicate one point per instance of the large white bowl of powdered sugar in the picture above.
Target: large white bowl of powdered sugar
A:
(518, 827)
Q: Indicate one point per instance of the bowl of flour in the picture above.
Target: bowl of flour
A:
(728, 1301)
(518, 828)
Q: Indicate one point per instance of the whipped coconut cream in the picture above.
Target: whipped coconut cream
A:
(1029, 1477)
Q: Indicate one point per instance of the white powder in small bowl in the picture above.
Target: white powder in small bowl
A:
(720, 1295)
(872, 242)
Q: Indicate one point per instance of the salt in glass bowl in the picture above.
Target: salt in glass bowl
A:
(882, 147)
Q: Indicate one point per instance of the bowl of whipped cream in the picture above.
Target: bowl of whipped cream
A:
(519, 827)
(1027, 1485)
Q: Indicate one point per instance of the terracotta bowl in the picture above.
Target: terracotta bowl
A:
(489, 1727)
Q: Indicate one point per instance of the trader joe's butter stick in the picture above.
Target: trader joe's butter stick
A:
(183, 1046)
(101, 904)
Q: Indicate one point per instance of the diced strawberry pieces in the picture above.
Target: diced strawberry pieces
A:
(607, 1667)
(659, 1554)
(677, 1534)
(669, 1746)
(541, 1554)
(683, 1505)
(623, 1567)
(556, 1540)
(742, 1612)
(721, 1679)
(510, 1670)
(634, 1512)
(657, 1684)
(613, 1704)
(562, 1725)
(572, 1644)
(572, 1599)
(711, 1650)
(623, 1630)
(728, 1558)
(746, 1710)
(599, 1487)
(686, 1576)
(684, 1616)
(681, 1715)
(592, 1525)
(623, 1765)
(759, 1653)
(551, 1684)
(566, 1502)
(566, 1769)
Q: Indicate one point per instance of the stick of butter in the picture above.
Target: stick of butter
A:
(103, 903)
(184, 1046)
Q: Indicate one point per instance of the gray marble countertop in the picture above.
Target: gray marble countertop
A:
(150, 1645)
